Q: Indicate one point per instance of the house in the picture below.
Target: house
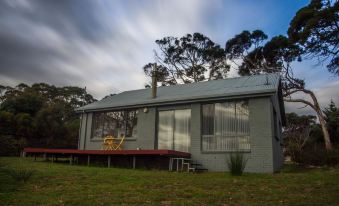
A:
(209, 120)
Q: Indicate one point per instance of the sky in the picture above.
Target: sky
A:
(102, 45)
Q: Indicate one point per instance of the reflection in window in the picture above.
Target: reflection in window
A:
(225, 126)
(174, 130)
(117, 123)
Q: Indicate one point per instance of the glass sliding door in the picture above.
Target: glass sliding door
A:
(165, 130)
(174, 130)
(182, 133)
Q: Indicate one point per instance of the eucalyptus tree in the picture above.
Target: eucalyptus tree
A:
(191, 58)
(251, 53)
(315, 28)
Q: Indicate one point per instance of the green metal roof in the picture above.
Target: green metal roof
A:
(200, 91)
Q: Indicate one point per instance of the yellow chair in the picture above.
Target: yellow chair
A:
(112, 143)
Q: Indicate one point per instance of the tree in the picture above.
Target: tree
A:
(191, 58)
(237, 51)
(252, 55)
(332, 121)
(24, 126)
(17, 101)
(51, 125)
(42, 115)
(297, 134)
(6, 123)
(315, 28)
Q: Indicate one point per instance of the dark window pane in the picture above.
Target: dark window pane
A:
(98, 125)
(208, 119)
(131, 124)
(117, 123)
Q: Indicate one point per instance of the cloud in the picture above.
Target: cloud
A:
(98, 44)
(104, 44)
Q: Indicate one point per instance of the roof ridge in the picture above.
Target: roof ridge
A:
(201, 82)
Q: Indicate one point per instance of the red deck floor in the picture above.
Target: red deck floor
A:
(105, 152)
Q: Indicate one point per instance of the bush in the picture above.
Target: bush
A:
(236, 164)
(314, 154)
(20, 175)
(11, 146)
(332, 157)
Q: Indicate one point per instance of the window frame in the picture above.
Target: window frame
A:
(201, 128)
(125, 120)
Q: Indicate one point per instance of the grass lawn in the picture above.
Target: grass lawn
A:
(62, 184)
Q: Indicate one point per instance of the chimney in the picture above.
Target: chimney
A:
(154, 81)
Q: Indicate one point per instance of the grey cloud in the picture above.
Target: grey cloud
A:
(99, 44)
(103, 44)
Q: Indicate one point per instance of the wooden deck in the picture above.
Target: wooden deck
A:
(106, 152)
(126, 158)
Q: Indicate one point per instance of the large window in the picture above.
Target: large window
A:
(117, 123)
(225, 127)
(174, 130)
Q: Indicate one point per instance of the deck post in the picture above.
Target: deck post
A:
(88, 159)
(177, 164)
(170, 164)
(52, 158)
(34, 157)
(109, 161)
(45, 156)
(71, 160)
(134, 161)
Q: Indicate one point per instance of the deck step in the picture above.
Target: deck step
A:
(196, 164)
(200, 170)
(188, 165)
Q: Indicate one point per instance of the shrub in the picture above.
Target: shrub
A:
(314, 154)
(332, 157)
(11, 146)
(20, 174)
(236, 164)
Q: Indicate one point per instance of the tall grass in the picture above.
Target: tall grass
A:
(236, 164)
(20, 174)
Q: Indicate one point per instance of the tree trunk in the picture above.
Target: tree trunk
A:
(316, 107)
(322, 121)
(326, 135)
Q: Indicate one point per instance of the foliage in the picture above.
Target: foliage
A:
(20, 174)
(40, 115)
(22, 102)
(251, 54)
(314, 154)
(332, 121)
(10, 145)
(236, 163)
(191, 58)
(297, 134)
(303, 142)
(6, 123)
(315, 28)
